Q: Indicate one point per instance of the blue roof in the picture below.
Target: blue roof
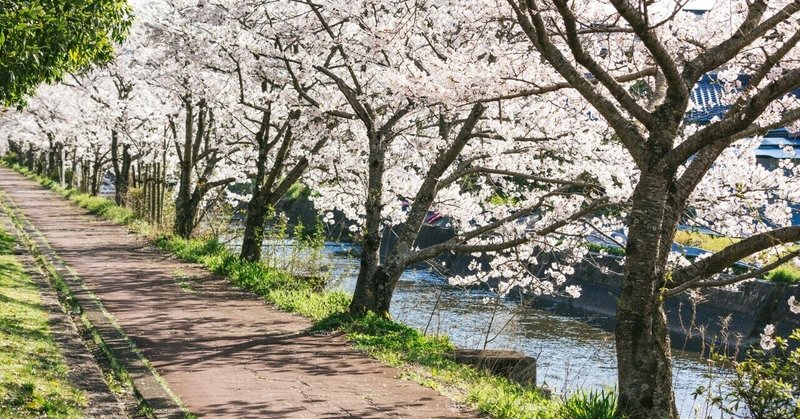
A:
(706, 105)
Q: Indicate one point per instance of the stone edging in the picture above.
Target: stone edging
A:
(149, 387)
(84, 372)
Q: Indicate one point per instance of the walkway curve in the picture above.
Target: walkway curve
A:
(224, 352)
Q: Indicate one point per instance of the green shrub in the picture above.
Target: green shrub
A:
(592, 404)
(766, 385)
(787, 274)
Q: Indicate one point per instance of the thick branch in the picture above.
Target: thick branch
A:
(351, 96)
(427, 191)
(733, 124)
(658, 51)
(533, 26)
(720, 261)
(648, 72)
(518, 175)
(745, 34)
(699, 283)
(583, 58)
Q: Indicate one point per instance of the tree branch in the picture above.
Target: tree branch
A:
(699, 283)
(677, 88)
(723, 259)
(745, 34)
(532, 24)
(617, 91)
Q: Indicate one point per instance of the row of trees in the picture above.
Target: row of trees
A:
(529, 124)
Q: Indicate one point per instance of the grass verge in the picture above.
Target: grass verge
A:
(786, 273)
(116, 375)
(420, 358)
(33, 374)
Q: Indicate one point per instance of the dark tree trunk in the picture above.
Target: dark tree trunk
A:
(364, 298)
(184, 220)
(52, 158)
(254, 226)
(642, 336)
(29, 157)
(41, 164)
(97, 165)
(85, 176)
(73, 170)
(197, 148)
(257, 207)
(267, 189)
(184, 216)
(121, 168)
(376, 281)
(378, 290)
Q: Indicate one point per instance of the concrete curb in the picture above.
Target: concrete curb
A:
(148, 386)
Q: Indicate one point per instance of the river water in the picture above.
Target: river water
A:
(571, 352)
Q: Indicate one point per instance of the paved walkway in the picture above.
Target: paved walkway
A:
(224, 352)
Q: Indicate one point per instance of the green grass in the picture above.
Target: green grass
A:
(591, 405)
(786, 273)
(599, 248)
(33, 375)
(704, 241)
(420, 358)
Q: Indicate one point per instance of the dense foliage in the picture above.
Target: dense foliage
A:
(43, 40)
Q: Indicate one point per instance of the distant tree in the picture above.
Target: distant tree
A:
(41, 40)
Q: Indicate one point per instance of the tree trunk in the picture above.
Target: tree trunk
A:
(378, 290)
(121, 188)
(121, 169)
(642, 337)
(184, 220)
(364, 297)
(62, 172)
(254, 226)
(96, 166)
(52, 158)
(74, 176)
(29, 157)
(184, 217)
(257, 207)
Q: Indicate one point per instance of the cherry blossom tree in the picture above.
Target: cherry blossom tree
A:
(278, 123)
(590, 44)
(420, 81)
(527, 124)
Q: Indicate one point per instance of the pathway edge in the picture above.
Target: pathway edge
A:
(148, 386)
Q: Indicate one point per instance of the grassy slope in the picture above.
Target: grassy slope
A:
(33, 375)
(421, 358)
(788, 272)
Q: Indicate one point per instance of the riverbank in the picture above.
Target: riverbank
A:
(729, 320)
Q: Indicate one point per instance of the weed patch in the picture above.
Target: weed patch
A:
(33, 374)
